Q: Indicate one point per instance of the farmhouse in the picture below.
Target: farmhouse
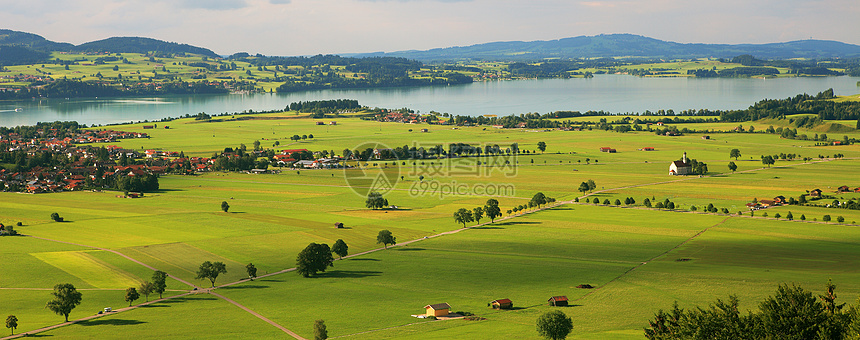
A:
(844, 188)
(682, 167)
(439, 309)
(606, 149)
(767, 203)
(558, 301)
(502, 304)
(647, 148)
(332, 123)
(320, 123)
(815, 193)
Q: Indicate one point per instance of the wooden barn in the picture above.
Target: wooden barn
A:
(558, 301)
(502, 304)
(439, 309)
(338, 225)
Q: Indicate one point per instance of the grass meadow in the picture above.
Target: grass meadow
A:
(630, 254)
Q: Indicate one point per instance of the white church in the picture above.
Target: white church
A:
(682, 167)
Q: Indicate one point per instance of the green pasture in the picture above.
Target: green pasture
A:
(527, 258)
(195, 316)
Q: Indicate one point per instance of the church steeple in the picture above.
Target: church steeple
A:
(685, 158)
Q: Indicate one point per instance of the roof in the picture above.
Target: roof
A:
(438, 306)
(501, 301)
(680, 164)
(559, 298)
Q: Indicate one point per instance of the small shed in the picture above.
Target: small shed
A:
(320, 123)
(815, 193)
(706, 137)
(439, 309)
(558, 301)
(338, 225)
(502, 304)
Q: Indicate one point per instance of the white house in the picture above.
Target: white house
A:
(682, 167)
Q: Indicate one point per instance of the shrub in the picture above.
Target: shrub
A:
(803, 217)
(840, 219)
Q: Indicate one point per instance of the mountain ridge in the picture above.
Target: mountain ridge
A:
(624, 45)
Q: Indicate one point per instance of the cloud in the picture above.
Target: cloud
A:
(279, 2)
(218, 5)
(597, 4)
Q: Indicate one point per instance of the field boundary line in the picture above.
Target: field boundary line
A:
(117, 253)
(653, 258)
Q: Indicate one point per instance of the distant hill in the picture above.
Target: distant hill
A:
(140, 45)
(31, 41)
(625, 45)
(19, 55)
(36, 43)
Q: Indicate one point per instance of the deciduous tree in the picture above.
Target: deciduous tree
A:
(316, 257)
(66, 298)
(463, 215)
(554, 325)
(12, 323)
(159, 280)
(146, 288)
(131, 295)
(210, 271)
(252, 271)
(385, 237)
(340, 248)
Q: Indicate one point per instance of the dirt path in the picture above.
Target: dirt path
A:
(91, 317)
(291, 333)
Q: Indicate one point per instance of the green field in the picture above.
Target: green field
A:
(630, 254)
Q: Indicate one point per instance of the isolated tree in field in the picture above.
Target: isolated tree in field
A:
(826, 218)
(320, 331)
(225, 206)
(492, 209)
(66, 298)
(210, 271)
(464, 216)
(767, 160)
(159, 279)
(12, 323)
(541, 146)
(252, 271)
(385, 237)
(554, 325)
(733, 166)
(583, 187)
(375, 200)
(56, 217)
(478, 214)
(146, 288)
(538, 199)
(131, 295)
(340, 248)
(840, 219)
(316, 257)
(735, 153)
(789, 216)
(596, 200)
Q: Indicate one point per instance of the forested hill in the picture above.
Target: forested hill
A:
(140, 45)
(25, 48)
(626, 45)
(31, 41)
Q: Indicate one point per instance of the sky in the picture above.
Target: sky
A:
(308, 27)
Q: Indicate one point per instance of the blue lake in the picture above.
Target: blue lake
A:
(613, 93)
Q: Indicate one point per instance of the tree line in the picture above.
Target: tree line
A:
(790, 313)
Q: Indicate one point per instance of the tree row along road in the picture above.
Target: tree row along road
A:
(198, 290)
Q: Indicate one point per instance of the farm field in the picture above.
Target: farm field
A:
(639, 259)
